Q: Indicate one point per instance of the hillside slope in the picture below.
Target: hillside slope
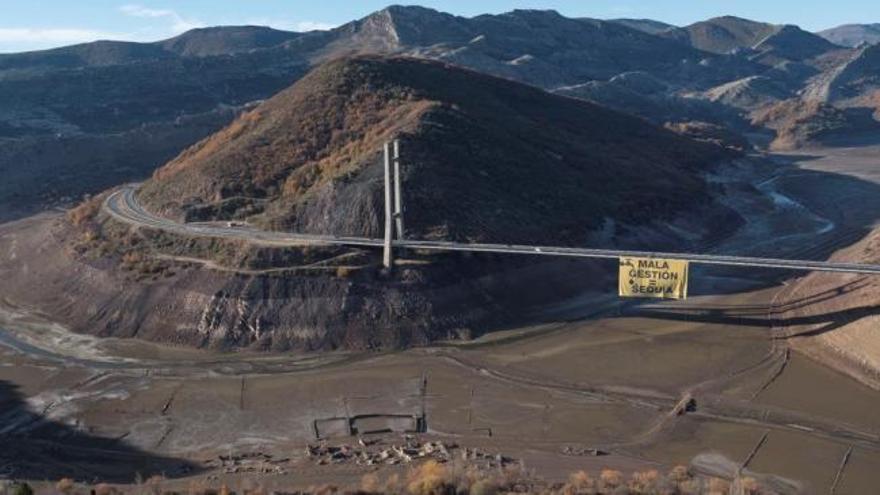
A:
(802, 123)
(839, 326)
(649, 26)
(487, 158)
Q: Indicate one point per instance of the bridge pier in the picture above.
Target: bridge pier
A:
(393, 202)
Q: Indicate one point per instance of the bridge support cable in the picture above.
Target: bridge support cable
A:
(387, 256)
(398, 192)
(393, 202)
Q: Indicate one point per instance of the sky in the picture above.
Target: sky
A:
(38, 24)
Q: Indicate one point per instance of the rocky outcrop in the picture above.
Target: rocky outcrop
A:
(851, 83)
(749, 93)
(452, 297)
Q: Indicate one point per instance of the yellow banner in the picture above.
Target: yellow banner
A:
(653, 277)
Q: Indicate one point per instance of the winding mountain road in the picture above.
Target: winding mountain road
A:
(123, 206)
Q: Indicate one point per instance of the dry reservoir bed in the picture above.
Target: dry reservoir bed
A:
(609, 384)
(707, 382)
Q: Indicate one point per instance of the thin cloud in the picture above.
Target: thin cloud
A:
(288, 25)
(141, 11)
(179, 24)
(313, 26)
(15, 39)
(53, 35)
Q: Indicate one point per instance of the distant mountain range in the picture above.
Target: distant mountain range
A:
(61, 106)
(853, 35)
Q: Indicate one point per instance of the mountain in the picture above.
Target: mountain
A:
(644, 25)
(119, 87)
(723, 34)
(640, 94)
(84, 97)
(96, 54)
(544, 48)
(225, 40)
(730, 34)
(842, 100)
(484, 159)
(398, 27)
(801, 123)
(485, 152)
(540, 47)
(61, 108)
(791, 43)
(855, 81)
(853, 35)
(231, 64)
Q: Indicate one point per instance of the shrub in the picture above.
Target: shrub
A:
(132, 258)
(320, 490)
(392, 484)
(579, 482)
(85, 212)
(718, 486)
(431, 478)
(65, 486)
(645, 482)
(89, 236)
(610, 479)
(105, 489)
(749, 486)
(679, 473)
(22, 489)
(370, 483)
(484, 487)
(154, 484)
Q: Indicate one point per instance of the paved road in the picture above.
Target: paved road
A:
(123, 205)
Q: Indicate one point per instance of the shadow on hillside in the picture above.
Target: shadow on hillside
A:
(769, 315)
(793, 158)
(857, 139)
(36, 448)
